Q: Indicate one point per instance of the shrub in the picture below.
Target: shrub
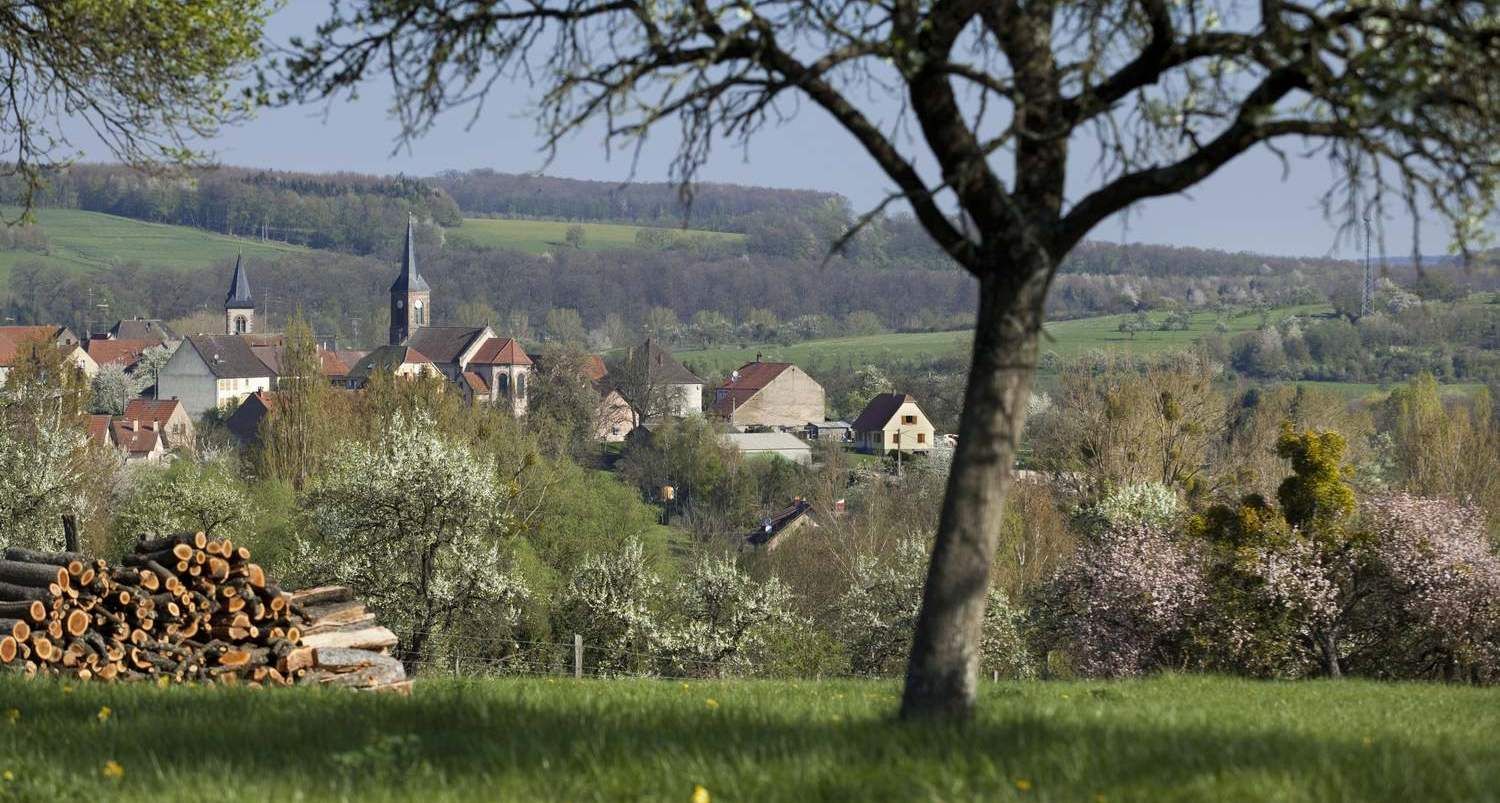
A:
(1124, 604)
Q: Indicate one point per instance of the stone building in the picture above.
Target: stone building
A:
(771, 394)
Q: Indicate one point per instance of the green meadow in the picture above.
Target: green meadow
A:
(1167, 738)
(80, 240)
(1068, 339)
(541, 236)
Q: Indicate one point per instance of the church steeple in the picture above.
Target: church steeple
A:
(411, 298)
(239, 305)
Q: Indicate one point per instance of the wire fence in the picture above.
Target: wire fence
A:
(477, 657)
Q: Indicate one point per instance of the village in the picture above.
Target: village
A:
(764, 409)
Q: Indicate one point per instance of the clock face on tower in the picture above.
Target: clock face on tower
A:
(400, 304)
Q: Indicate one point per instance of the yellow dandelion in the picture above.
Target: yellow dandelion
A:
(1367, 741)
(163, 681)
(7, 775)
(112, 770)
(13, 715)
(1023, 784)
(700, 795)
(67, 689)
(712, 703)
(104, 713)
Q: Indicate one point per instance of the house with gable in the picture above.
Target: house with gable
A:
(167, 416)
(893, 422)
(769, 394)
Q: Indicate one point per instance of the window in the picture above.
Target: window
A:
(921, 437)
(908, 419)
(521, 386)
(502, 384)
(419, 313)
(240, 325)
(896, 438)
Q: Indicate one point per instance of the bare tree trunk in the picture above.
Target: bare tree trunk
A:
(941, 677)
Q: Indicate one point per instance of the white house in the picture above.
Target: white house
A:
(209, 372)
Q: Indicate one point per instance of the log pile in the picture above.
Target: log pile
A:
(179, 609)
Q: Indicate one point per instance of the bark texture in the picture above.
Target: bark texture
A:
(942, 676)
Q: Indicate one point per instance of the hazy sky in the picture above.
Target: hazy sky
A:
(1246, 206)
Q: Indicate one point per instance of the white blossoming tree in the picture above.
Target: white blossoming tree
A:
(722, 613)
(185, 496)
(612, 601)
(416, 523)
(112, 390)
(878, 611)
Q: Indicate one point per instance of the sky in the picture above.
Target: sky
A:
(1246, 206)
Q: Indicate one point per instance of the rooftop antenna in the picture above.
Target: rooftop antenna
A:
(1367, 293)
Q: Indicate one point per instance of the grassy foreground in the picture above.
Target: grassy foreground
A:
(1171, 738)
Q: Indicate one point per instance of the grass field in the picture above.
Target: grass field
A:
(1068, 339)
(80, 240)
(1173, 738)
(540, 236)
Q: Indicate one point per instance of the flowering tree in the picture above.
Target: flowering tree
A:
(112, 389)
(719, 613)
(612, 600)
(875, 616)
(414, 522)
(1125, 604)
(155, 500)
(46, 464)
(1432, 591)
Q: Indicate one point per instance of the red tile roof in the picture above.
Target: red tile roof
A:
(476, 382)
(148, 410)
(745, 383)
(99, 429)
(135, 440)
(124, 353)
(500, 351)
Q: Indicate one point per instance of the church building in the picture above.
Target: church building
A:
(487, 367)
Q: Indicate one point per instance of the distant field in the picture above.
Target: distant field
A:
(1068, 339)
(1168, 738)
(80, 240)
(541, 236)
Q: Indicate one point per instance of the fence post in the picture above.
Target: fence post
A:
(577, 656)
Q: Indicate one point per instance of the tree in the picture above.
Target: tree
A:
(416, 522)
(562, 394)
(110, 390)
(1170, 92)
(147, 78)
(299, 433)
(564, 326)
(157, 500)
(575, 236)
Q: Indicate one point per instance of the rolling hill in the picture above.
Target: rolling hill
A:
(79, 240)
(540, 236)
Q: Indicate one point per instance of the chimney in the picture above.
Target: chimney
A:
(153, 426)
(135, 425)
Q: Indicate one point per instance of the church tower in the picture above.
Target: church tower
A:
(411, 298)
(239, 306)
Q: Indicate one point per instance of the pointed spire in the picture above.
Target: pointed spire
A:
(409, 280)
(239, 288)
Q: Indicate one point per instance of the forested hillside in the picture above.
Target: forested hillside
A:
(358, 214)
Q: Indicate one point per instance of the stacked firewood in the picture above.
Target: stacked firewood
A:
(184, 608)
(341, 643)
